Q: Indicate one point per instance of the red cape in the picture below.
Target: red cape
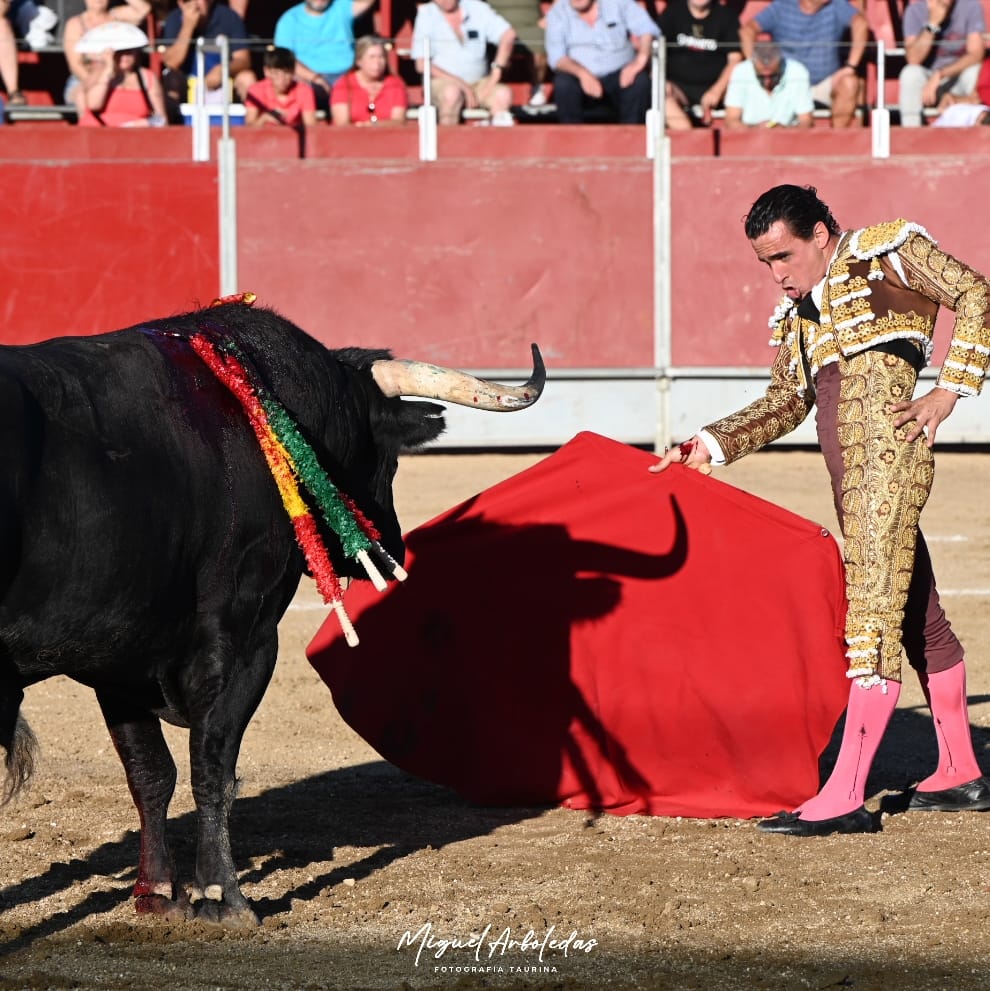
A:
(591, 634)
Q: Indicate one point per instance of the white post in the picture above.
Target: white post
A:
(227, 185)
(658, 86)
(880, 120)
(224, 44)
(662, 343)
(201, 120)
(427, 120)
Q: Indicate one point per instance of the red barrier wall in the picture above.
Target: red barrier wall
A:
(514, 236)
(94, 247)
(462, 264)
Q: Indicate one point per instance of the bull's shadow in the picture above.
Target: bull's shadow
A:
(478, 681)
(295, 826)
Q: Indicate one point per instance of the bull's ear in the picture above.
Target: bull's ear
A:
(414, 424)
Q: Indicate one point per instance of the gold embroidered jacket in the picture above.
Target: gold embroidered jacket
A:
(885, 282)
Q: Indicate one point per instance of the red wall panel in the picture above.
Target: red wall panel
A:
(723, 297)
(95, 247)
(459, 264)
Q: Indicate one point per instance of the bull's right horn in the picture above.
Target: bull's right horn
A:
(417, 378)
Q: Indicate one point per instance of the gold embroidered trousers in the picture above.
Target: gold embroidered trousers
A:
(881, 484)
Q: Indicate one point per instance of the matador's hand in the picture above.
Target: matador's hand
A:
(928, 411)
(692, 453)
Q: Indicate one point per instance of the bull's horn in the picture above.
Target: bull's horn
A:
(417, 378)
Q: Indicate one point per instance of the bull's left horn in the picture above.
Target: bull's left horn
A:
(417, 378)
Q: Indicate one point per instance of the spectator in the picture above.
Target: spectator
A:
(526, 18)
(702, 48)
(279, 98)
(974, 108)
(34, 24)
(600, 52)
(96, 12)
(9, 68)
(943, 49)
(767, 90)
(369, 94)
(32, 21)
(459, 32)
(121, 92)
(811, 31)
(320, 33)
(194, 19)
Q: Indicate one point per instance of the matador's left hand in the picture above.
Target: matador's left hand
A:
(928, 411)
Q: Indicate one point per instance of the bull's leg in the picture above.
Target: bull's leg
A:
(223, 708)
(151, 777)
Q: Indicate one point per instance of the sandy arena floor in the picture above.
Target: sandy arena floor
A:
(342, 854)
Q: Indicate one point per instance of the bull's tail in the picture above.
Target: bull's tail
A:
(18, 739)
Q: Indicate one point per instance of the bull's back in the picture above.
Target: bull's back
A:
(117, 463)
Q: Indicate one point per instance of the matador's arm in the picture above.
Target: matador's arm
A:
(950, 283)
(781, 408)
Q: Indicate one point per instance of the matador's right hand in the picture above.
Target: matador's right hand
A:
(691, 453)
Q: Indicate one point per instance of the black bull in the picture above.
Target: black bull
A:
(145, 551)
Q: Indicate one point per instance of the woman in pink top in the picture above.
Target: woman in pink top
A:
(96, 12)
(368, 94)
(123, 94)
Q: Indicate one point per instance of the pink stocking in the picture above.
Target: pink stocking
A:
(867, 714)
(946, 694)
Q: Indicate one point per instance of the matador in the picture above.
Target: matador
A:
(853, 329)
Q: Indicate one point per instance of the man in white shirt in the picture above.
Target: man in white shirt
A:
(768, 90)
(459, 32)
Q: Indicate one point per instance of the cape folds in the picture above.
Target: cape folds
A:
(589, 634)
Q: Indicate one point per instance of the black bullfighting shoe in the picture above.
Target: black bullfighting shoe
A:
(974, 796)
(857, 821)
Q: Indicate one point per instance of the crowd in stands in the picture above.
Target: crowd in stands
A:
(293, 64)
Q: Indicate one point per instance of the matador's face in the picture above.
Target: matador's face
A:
(796, 265)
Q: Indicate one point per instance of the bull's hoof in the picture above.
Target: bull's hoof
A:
(228, 916)
(167, 908)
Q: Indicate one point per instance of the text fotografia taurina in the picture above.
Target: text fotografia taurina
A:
(486, 945)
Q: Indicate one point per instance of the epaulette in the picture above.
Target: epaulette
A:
(879, 239)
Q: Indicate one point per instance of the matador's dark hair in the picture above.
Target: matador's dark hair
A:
(797, 206)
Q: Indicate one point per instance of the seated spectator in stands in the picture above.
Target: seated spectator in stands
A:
(96, 12)
(768, 90)
(279, 98)
(812, 32)
(32, 21)
(320, 33)
(943, 49)
(702, 47)
(193, 19)
(526, 18)
(970, 109)
(122, 93)
(34, 24)
(459, 32)
(9, 67)
(600, 53)
(369, 94)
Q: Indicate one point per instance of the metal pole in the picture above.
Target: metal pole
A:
(201, 122)
(227, 185)
(661, 247)
(224, 43)
(880, 121)
(427, 113)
